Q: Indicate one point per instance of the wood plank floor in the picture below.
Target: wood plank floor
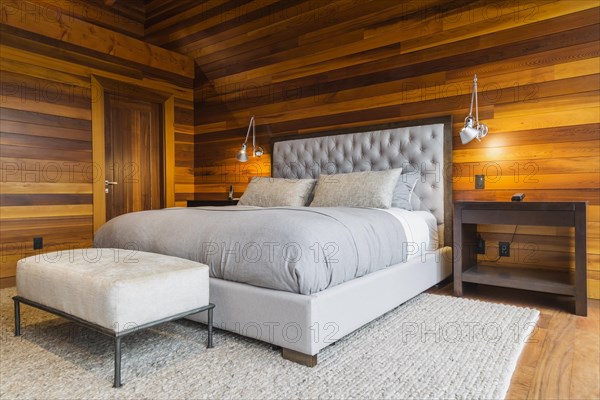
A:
(8, 282)
(561, 359)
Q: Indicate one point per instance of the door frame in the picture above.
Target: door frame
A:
(99, 86)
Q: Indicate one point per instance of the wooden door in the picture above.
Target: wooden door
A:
(133, 145)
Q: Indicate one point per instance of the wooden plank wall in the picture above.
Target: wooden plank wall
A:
(45, 118)
(127, 17)
(312, 65)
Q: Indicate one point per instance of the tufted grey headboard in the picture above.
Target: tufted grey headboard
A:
(424, 145)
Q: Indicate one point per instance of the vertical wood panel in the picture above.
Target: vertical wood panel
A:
(99, 153)
(169, 130)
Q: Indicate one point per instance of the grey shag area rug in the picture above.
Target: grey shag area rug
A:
(430, 347)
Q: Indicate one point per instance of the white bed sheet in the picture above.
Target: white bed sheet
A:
(421, 230)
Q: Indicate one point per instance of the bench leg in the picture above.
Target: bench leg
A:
(210, 329)
(17, 317)
(117, 382)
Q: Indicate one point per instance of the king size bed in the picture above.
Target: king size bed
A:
(303, 277)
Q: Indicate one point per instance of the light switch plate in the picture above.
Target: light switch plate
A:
(38, 243)
(479, 181)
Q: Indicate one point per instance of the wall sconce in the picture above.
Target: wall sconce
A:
(473, 129)
(242, 156)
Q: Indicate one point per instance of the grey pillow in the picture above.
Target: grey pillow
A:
(277, 192)
(373, 189)
(404, 191)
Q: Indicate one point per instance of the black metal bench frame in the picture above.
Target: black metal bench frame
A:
(117, 336)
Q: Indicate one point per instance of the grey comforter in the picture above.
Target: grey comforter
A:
(301, 250)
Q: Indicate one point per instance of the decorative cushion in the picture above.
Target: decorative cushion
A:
(373, 189)
(277, 192)
(404, 191)
(115, 288)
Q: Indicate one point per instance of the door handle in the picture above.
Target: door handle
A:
(106, 183)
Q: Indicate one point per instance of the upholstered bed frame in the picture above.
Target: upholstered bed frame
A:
(304, 324)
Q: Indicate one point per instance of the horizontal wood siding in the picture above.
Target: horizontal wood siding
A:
(313, 65)
(127, 17)
(45, 121)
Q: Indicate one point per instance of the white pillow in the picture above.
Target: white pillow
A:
(405, 189)
(372, 189)
(277, 192)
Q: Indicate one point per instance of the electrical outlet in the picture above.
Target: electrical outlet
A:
(479, 181)
(38, 243)
(504, 249)
(480, 246)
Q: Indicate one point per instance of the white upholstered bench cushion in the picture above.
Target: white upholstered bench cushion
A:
(114, 288)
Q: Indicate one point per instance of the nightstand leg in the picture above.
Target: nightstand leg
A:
(458, 287)
(462, 252)
(580, 260)
(580, 307)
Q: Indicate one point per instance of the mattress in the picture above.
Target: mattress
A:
(296, 249)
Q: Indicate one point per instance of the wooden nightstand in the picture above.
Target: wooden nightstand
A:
(208, 203)
(467, 215)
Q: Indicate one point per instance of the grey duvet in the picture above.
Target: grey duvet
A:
(301, 250)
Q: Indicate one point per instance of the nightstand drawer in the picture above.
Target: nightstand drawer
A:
(525, 217)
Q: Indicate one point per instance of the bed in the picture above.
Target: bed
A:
(305, 312)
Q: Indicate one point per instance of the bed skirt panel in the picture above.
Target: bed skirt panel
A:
(309, 323)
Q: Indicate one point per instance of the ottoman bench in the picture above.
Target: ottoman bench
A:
(113, 291)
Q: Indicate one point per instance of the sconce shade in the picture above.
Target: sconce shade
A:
(257, 151)
(473, 129)
(242, 156)
(470, 132)
(467, 134)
